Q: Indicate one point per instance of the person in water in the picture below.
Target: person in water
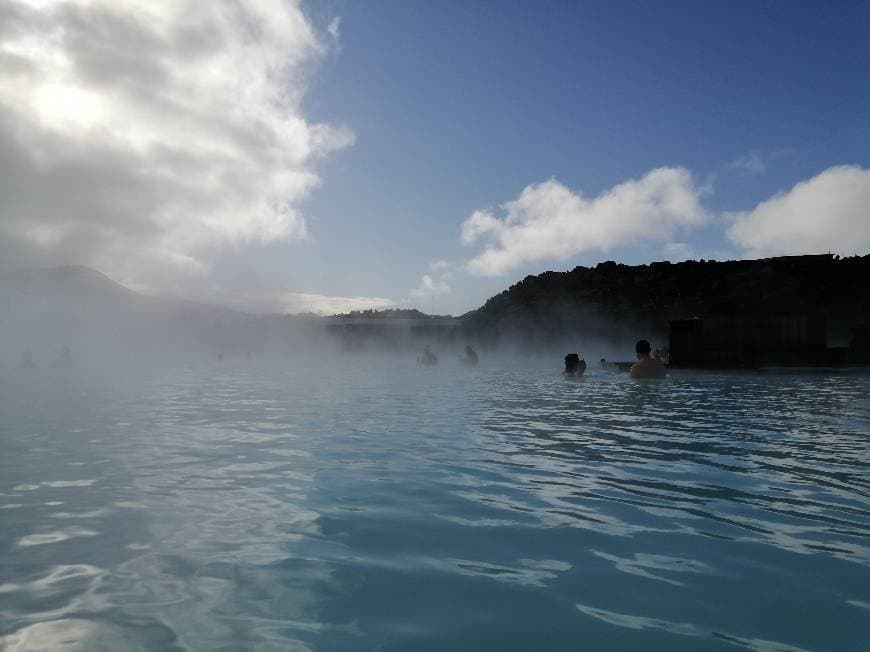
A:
(26, 361)
(428, 358)
(574, 365)
(646, 367)
(64, 359)
(470, 357)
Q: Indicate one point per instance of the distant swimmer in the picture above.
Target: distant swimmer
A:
(428, 358)
(574, 365)
(470, 358)
(64, 359)
(26, 361)
(646, 367)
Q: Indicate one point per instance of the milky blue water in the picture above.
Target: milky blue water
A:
(378, 505)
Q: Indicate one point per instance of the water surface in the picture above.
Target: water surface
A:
(378, 505)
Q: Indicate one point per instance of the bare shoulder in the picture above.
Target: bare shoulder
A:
(647, 368)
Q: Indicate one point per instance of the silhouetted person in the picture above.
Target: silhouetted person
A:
(64, 359)
(470, 357)
(26, 361)
(603, 362)
(574, 365)
(428, 358)
(646, 367)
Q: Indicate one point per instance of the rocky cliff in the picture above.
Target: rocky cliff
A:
(616, 303)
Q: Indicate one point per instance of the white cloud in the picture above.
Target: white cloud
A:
(548, 221)
(678, 251)
(757, 162)
(441, 266)
(297, 302)
(334, 29)
(430, 286)
(137, 136)
(826, 213)
(751, 163)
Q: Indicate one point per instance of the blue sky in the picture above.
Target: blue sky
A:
(448, 108)
(458, 106)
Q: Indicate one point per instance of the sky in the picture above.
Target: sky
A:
(289, 156)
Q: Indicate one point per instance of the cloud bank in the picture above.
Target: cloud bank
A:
(829, 212)
(299, 302)
(549, 221)
(138, 136)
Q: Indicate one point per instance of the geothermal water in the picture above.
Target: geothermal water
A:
(370, 503)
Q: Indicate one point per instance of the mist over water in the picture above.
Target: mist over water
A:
(229, 228)
(365, 502)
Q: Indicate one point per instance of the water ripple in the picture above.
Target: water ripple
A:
(290, 507)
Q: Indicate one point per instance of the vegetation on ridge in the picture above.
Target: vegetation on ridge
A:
(612, 301)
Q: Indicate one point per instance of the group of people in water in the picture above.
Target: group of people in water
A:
(63, 359)
(647, 365)
(429, 359)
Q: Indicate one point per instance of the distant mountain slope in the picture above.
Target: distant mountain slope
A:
(76, 277)
(85, 284)
(63, 284)
(611, 304)
(42, 309)
(617, 302)
(76, 290)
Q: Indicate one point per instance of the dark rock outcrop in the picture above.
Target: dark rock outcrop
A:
(617, 303)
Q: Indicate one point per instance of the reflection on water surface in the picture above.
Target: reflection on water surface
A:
(395, 507)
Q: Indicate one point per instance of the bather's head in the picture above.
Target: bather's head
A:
(642, 348)
(572, 362)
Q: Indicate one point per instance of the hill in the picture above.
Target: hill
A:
(42, 309)
(618, 303)
(610, 305)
